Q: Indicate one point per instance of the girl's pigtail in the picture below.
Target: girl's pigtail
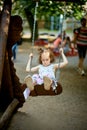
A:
(40, 50)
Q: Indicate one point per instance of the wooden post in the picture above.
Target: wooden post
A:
(4, 26)
(8, 113)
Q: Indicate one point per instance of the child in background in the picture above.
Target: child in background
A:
(46, 69)
(56, 44)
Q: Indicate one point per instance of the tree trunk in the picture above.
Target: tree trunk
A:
(30, 19)
(4, 26)
(10, 30)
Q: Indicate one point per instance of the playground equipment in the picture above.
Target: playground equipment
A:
(11, 90)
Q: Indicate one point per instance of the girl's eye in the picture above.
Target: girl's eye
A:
(45, 59)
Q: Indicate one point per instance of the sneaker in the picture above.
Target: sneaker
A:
(29, 82)
(82, 72)
(47, 83)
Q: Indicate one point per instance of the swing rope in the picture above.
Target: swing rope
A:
(33, 36)
(34, 25)
(58, 71)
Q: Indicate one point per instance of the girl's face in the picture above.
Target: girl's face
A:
(45, 58)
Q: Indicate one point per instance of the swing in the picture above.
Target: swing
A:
(39, 89)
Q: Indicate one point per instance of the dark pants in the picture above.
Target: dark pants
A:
(82, 51)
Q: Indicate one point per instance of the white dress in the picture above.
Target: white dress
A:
(44, 71)
(47, 71)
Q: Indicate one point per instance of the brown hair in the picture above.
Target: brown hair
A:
(51, 55)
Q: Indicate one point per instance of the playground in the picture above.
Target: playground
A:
(66, 111)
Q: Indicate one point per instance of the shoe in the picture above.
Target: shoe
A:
(26, 93)
(82, 73)
(29, 82)
(47, 83)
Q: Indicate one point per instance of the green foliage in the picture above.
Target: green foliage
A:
(49, 7)
(1, 4)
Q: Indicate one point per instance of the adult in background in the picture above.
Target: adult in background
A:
(80, 38)
(15, 49)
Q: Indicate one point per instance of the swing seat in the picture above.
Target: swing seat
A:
(41, 42)
(40, 91)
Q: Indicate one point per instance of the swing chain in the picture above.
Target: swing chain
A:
(33, 37)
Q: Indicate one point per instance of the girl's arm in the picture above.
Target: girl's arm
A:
(64, 62)
(28, 67)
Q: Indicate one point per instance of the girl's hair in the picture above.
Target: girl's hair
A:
(51, 55)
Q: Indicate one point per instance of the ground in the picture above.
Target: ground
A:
(67, 111)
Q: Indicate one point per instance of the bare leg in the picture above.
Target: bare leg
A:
(29, 82)
(80, 64)
(47, 83)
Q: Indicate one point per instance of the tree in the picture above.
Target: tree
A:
(27, 9)
(48, 8)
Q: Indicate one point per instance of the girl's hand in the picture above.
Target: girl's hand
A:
(31, 55)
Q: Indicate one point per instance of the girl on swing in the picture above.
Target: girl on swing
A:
(46, 69)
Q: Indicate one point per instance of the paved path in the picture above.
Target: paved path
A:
(67, 111)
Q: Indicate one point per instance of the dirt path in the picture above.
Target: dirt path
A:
(67, 111)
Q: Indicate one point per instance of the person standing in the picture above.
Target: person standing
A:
(80, 38)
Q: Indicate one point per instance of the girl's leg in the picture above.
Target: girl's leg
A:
(32, 81)
(35, 79)
(47, 83)
(29, 82)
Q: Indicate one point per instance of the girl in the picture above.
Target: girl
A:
(46, 69)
